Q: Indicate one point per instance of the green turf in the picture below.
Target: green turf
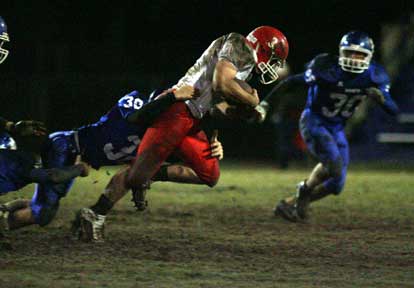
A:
(227, 236)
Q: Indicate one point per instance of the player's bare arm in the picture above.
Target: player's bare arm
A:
(223, 82)
(182, 93)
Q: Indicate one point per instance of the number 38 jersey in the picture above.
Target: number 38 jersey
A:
(334, 94)
(113, 140)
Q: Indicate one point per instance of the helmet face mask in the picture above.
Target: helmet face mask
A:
(4, 37)
(355, 52)
(271, 50)
(269, 70)
(3, 52)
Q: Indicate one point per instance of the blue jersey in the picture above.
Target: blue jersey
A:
(334, 94)
(113, 140)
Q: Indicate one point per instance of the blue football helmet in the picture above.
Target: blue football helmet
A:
(4, 37)
(355, 41)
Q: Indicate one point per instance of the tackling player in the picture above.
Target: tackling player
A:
(20, 148)
(336, 86)
(112, 140)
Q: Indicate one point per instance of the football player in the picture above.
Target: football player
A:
(336, 86)
(112, 140)
(178, 129)
(20, 153)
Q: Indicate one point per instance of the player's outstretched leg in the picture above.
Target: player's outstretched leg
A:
(89, 222)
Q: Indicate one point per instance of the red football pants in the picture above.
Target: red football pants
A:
(175, 130)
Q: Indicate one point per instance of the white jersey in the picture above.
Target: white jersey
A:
(231, 47)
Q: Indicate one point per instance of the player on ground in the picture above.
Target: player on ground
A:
(113, 140)
(336, 86)
(228, 57)
(20, 153)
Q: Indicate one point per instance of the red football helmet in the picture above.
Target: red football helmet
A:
(272, 49)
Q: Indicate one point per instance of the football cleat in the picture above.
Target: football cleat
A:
(92, 226)
(303, 200)
(286, 211)
(138, 197)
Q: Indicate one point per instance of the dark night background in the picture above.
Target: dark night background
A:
(70, 61)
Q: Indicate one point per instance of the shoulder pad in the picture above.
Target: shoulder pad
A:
(235, 50)
(378, 74)
(235, 36)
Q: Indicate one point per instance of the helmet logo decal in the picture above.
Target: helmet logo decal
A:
(251, 38)
(273, 43)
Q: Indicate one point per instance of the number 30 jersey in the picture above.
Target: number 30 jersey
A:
(334, 94)
(113, 140)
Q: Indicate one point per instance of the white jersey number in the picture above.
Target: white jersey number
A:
(132, 102)
(343, 105)
(125, 152)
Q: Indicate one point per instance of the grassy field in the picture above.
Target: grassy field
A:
(227, 236)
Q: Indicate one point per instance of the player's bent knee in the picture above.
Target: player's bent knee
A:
(338, 189)
(336, 185)
(335, 168)
(46, 215)
(211, 179)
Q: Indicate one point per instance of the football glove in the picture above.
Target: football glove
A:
(375, 94)
(262, 109)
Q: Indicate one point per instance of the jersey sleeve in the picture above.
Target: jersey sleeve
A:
(389, 104)
(382, 81)
(236, 51)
